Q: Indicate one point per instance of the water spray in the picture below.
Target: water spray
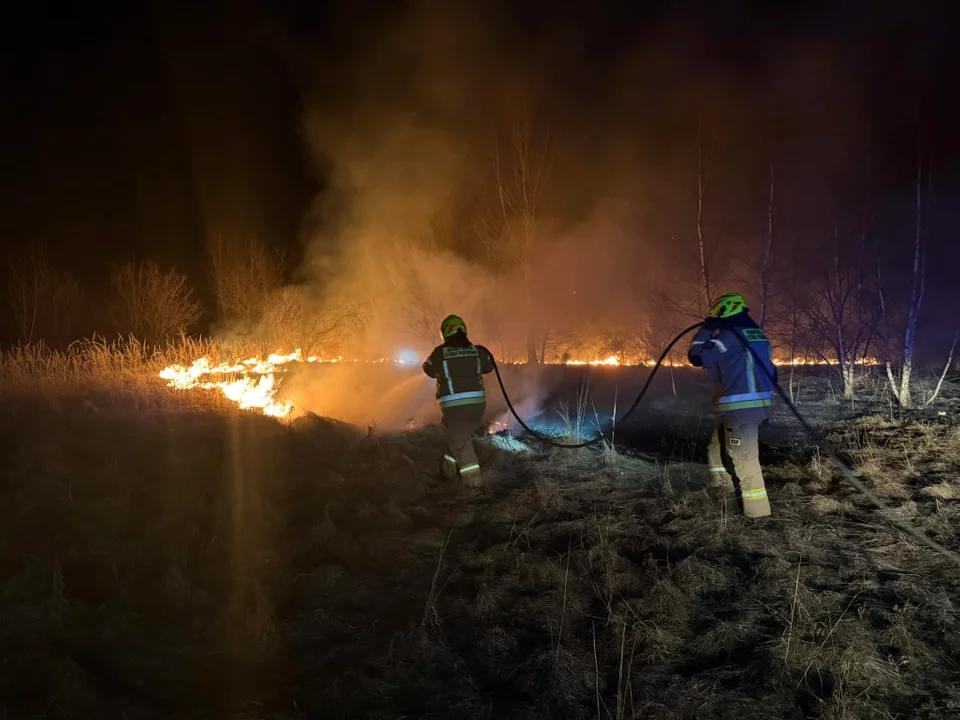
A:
(601, 437)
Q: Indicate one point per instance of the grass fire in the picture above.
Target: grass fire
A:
(432, 359)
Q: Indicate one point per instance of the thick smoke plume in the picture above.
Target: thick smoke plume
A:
(415, 134)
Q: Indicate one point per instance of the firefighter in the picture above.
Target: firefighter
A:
(743, 395)
(458, 367)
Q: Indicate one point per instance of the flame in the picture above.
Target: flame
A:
(256, 389)
(254, 383)
(259, 382)
(497, 426)
(612, 360)
(820, 362)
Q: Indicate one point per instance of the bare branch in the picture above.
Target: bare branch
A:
(946, 369)
(704, 271)
(768, 247)
(151, 304)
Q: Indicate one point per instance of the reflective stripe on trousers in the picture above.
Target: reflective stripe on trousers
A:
(754, 494)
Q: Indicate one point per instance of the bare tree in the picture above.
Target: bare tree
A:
(841, 313)
(621, 343)
(706, 292)
(46, 303)
(885, 324)
(795, 322)
(916, 293)
(64, 309)
(424, 315)
(946, 369)
(295, 320)
(521, 168)
(767, 255)
(245, 277)
(699, 256)
(151, 304)
(29, 281)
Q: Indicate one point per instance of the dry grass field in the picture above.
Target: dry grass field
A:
(165, 555)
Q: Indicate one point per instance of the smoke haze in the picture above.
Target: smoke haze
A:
(407, 126)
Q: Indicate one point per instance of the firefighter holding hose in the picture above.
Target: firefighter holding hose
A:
(458, 366)
(743, 397)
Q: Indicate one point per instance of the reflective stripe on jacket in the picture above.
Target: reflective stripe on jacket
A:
(459, 369)
(741, 385)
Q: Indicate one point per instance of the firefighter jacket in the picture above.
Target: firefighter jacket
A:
(458, 367)
(723, 348)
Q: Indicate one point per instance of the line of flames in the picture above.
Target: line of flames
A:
(258, 385)
(259, 380)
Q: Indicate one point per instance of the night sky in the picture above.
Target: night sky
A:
(141, 129)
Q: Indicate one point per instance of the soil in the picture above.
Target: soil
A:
(200, 562)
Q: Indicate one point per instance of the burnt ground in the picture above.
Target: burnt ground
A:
(165, 561)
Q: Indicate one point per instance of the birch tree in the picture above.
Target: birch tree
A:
(706, 291)
(900, 382)
(918, 285)
(521, 166)
(946, 369)
(766, 260)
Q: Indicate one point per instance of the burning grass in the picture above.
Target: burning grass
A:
(190, 563)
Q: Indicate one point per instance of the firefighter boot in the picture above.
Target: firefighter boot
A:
(448, 468)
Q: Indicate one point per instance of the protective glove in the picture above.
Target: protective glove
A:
(711, 323)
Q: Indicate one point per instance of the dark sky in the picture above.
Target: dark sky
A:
(141, 128)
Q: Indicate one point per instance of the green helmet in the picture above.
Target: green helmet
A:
(728, 305)
(451, 325)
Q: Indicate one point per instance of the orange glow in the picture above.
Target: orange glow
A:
(258, 386)
(255, 383)
(808, 361)
(609, 361)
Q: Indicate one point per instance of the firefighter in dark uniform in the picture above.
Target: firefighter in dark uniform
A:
(729, 346)
(458, 366)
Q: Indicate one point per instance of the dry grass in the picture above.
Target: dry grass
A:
(163, 560)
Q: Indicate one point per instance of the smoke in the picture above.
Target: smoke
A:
(381, 397)
(409, 126)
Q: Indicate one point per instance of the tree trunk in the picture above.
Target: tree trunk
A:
(528, 302)
(946, 369)
(767, 252)
(704, 271)
(849, 380)
(886, 335)
(916, 296)
(544, 340)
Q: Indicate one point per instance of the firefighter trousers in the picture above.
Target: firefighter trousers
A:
(734, 459)
(459, 424)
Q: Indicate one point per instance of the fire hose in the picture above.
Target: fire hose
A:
(814, 438)
(601, 437)
(848, 473)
